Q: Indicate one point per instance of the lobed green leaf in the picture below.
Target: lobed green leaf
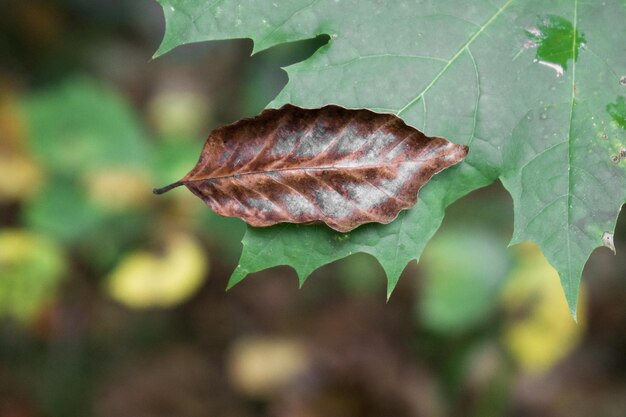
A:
(535, 89)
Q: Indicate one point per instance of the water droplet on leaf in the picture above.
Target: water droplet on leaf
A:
(553, 37)
(556, 67)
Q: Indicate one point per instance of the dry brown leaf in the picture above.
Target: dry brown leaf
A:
(338, 166)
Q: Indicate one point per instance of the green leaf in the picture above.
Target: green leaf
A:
(31, 268)
(64, 212)
(84, 134)
(532, 87)
(463, 272)
(80, 126)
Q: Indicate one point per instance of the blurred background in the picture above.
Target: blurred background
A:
(112, 300)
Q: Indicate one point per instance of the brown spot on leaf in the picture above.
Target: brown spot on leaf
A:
(333, 165)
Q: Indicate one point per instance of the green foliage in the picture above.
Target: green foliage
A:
(532, 87)
(94, 201)
(32, 267)
(80, 127)
(97, 162)
(464, 270)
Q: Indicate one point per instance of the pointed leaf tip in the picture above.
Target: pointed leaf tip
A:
(573, 308)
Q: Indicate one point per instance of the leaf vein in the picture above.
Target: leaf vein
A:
(455, 57)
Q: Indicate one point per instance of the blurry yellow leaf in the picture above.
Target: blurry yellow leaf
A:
(10, 118)
(258, 366)
(546, 332)
(20, 177)
(119, 189)
(180, 114)
(144, 279)
(31, 267)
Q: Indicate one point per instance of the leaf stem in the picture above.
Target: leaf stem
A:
(165, 189)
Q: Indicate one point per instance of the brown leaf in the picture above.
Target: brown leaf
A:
(334, 165)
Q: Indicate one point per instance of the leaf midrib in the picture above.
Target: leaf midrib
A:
(569, 144)
(304, 169)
